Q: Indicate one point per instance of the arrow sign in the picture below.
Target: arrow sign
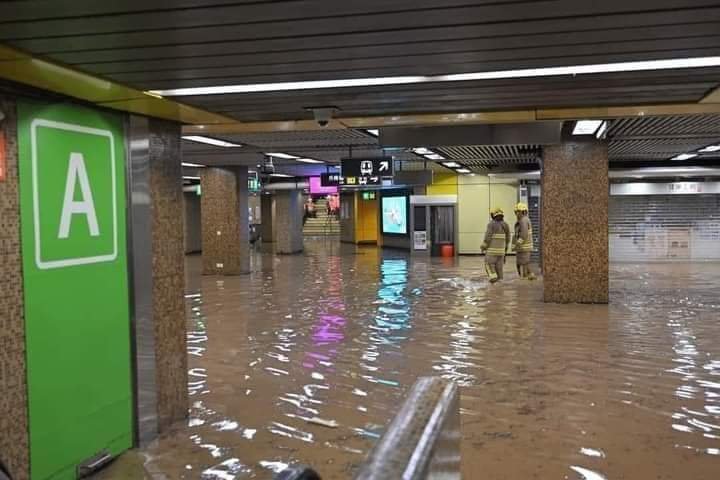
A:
(384, 166)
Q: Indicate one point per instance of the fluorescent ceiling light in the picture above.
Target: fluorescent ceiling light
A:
(309, 160)
(586, 127)
(463, 170)
(451, 164)
(422, 151)
(210, 141)
(282, 155)
(710, 149)
(646, 65)
(191, 178)
(373, 131)
(281, 175)
(195, 165)
(434, 156)
(684, 156)
(601, 131)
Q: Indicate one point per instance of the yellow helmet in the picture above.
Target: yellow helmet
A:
(496, 211)
(521, 207)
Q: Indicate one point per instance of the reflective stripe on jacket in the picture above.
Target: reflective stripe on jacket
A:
(497, 238)
(523, 235)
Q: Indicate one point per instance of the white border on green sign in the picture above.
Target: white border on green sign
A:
(68, 262)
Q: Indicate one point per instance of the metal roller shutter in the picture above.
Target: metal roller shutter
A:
(647, 228)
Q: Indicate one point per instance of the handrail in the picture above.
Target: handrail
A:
(422, 442)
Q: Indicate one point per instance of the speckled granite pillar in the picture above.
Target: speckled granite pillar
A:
(267, 216)
(14, 448)
(575, 192)
(224, 218)
(168, 271)
(288, 221)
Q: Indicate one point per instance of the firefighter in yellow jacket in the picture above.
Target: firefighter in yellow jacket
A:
(495, 245)
(523, 241)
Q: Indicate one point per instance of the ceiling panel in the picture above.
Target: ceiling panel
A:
(161, 44)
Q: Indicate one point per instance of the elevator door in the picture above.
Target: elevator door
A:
(442, 220)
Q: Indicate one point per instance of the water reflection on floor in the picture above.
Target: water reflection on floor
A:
(306, 360)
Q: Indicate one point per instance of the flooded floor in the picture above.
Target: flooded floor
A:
(625, 391)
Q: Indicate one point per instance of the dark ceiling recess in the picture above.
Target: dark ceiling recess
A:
(160, 44)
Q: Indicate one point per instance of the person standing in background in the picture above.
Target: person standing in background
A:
(495, 245)
(523, 241)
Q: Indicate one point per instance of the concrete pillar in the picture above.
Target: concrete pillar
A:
(267, 217)
(224, 217)
(158, 274)
(575, 190)
(168, 272)
(14, 443)
(288, 221)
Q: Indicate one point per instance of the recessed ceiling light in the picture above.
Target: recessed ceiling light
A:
(195, 165)
(190, 178)
(373, 131)
(434, 156)
(451, 164)
(586, 127)
(282, 155)
(684, 156)
(280, 175)
(309, 160)
(710, 149)
(645, 65)
(463, 170)
(601, 131)
(210, 141)
(422, 151)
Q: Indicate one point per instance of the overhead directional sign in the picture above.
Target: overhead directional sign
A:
(369, 171)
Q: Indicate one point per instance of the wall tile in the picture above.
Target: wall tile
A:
(575, 193)
(168, 271)
(14, 448)
(224, 209)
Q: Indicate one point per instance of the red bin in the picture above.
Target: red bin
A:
(447, 251)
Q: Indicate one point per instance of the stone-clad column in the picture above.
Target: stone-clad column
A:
(575, 191)
(224, 217)
(168, 271)
(14, 446)
(288, 221)
(267, 216)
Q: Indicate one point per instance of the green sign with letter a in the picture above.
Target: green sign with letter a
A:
(72, 205)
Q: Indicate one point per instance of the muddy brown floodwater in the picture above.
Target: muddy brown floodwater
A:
(625, 391)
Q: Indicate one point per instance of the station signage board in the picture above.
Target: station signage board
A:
(71, 162)
(330, 179)
(369, 171)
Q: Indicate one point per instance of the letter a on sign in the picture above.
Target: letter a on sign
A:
(86, 206)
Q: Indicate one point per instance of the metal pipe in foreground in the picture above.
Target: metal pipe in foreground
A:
(423, 441)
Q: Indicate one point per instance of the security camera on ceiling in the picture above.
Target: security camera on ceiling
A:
(323, 114)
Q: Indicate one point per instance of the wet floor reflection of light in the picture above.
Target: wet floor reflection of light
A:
(306, 360)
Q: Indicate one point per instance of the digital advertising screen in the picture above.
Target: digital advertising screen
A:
(394, 215)
(317, 188)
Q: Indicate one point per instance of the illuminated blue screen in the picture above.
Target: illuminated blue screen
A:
(394, 215)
